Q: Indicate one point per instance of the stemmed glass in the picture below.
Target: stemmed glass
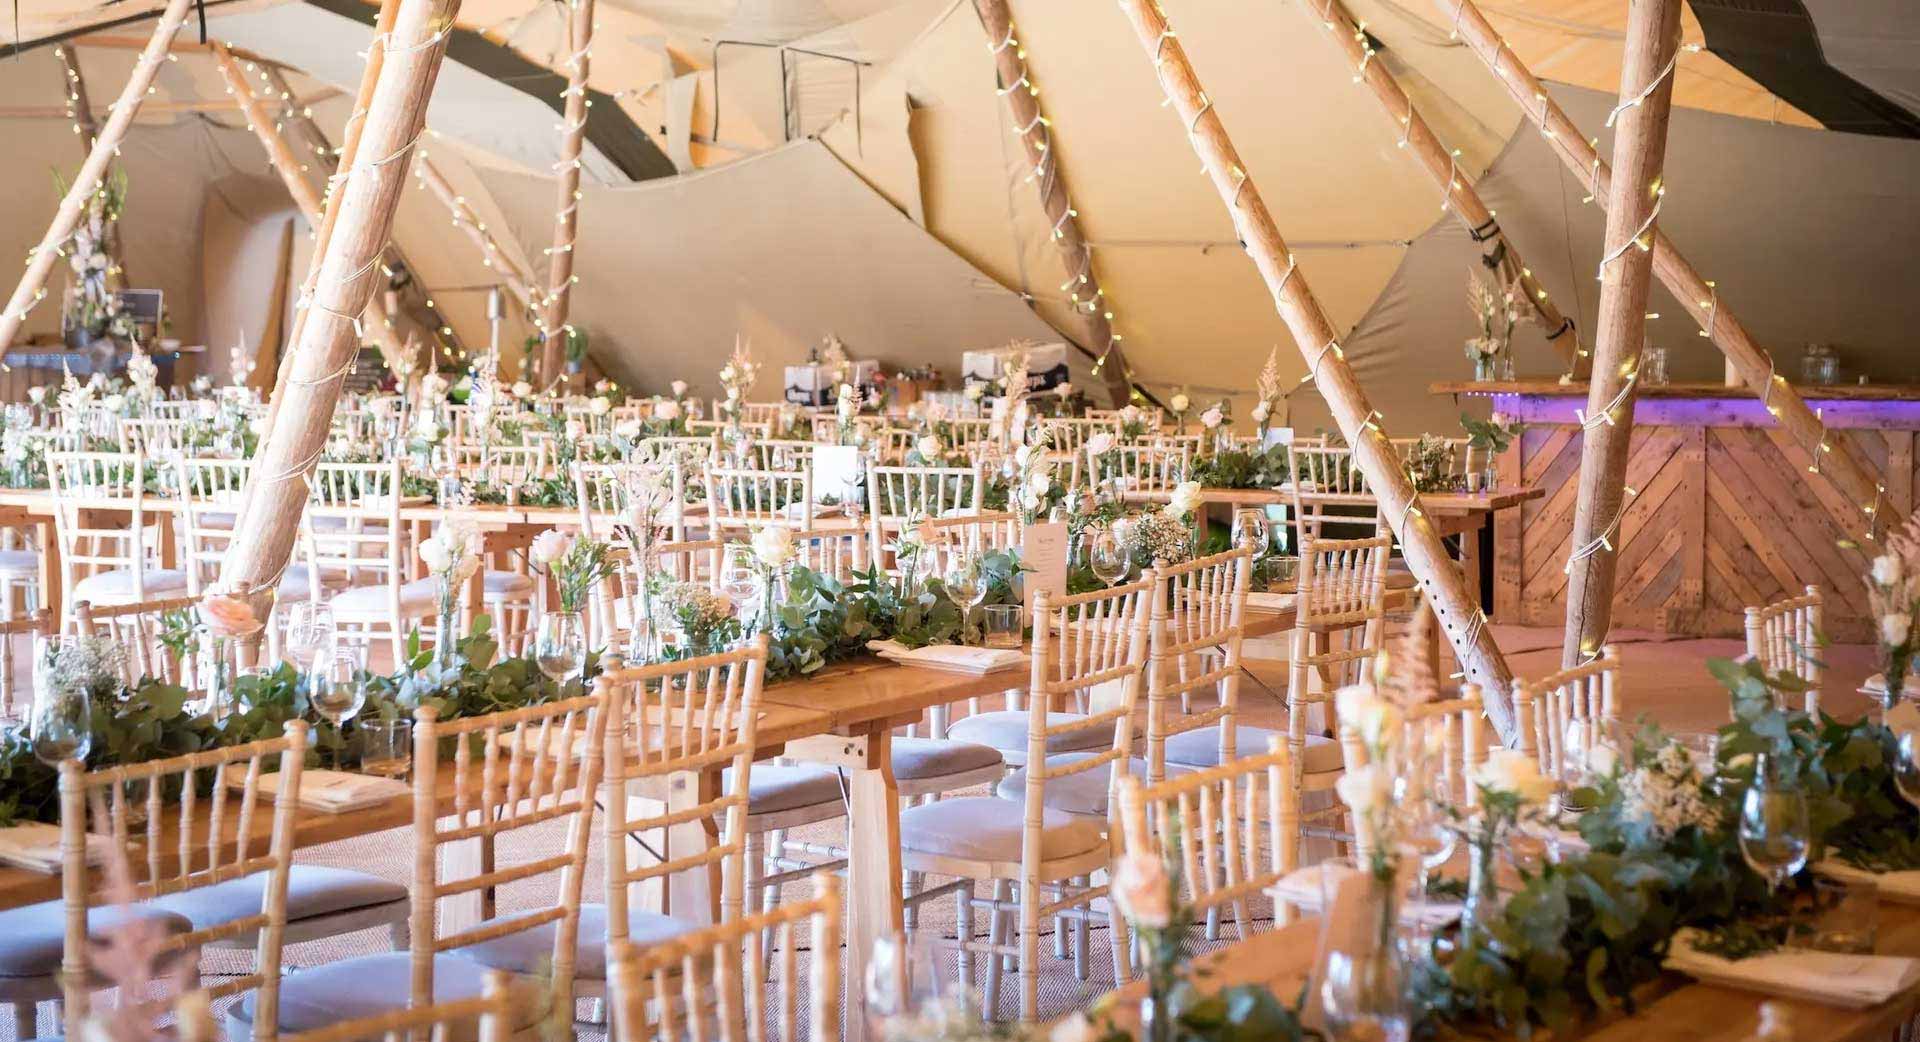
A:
(1250, 525)
(903, 980)
(337, 688)
(560, 647)
(966, 586)
(1774, 831)
(1107, 554)
(310, 634)
(61, 725)
(1906, 767)
(738, 581)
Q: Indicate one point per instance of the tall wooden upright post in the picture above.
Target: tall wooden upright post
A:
(32, 286)
(366, 196)
(375, 323)
(1834, 458)
(84, 125)
(1440, 579)
(1457, 192)
(1043, 160)
(566, 218)
(1639, 156)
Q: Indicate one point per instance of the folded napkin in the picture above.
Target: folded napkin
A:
(1829, 978)
(329, 792)
(35, 847)
(797, 511)
(1902, 887)
(1303, 889)
(950, 657)
(1270, 601)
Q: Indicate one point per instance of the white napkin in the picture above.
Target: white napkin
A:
(1902, 887)
(1829, 978)
(1275, 602)
(1301, 888)
(35, 846)
(329, 792)
(951, 657)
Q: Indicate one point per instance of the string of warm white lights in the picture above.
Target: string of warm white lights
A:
(1037, 136)
(566, 224)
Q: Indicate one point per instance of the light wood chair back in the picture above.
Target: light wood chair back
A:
(1319, 470)
(600, 495)
(33, 627)
(1443, 740)
(1070, 434)
(672, 729)
(836, 552)
(739, 501)
(90, 492)
(1216, 824)
(1144, 468)
(971, 534)
(138, 630)
(536, 764)
(211, 492)
(156, 439)
(898, 496)
(1340, 623)
(1081, 643)
(352, 530)
(1197, 634)
(779, 454)
(161, 841)
(1544, 707)
(715, 980)
(895, 443)
(1785, 636)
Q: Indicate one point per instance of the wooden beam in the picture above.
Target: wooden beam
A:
(1441, 581)
(1626, 268)
(375, 323)
(566, 217)
(78, 108)
(1036, 136)
(1457, 191)
(518, 281)
(153, 108)
(31, 289)
(365, 199)
(107, 42)
(1838, 460)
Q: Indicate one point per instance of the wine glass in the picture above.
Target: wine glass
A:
(61, 720)
(1107, 554)
(737, 579)
(1361, 972)
(1250, 526)
(560, 646)
(310, 633)
(1906, 767)
(1774, 831)
(966, 586)
(337, 688)
(903, 980)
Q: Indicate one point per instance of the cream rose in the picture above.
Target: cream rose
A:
(36, 395)
(1143, 891)
(666, 410)
(773, 546)
(1074, 1027)
(1895, 628)
(1509, 770)
(976, 391)
(1065, 390)
(522, 389)
(1099, 445)
(599, 406)
(679, 388)
(1371, 717)
(1261, 412)
(1179, 403)
(548, 547)
(1212, 418)
(228, 616)
(929, 447)
(628, 429)
(1185, 499)
(1888, 570)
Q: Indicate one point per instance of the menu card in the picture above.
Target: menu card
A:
(1044, 550)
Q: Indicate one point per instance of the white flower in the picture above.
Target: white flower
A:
(113, 402)
(36, 395)
(1212, 417)
(1143, 891)
(522, 389)
(1365, 789)
(1895, 628)
(726, 374)
(426, 429)
(1887, 570)
(1261, 412)
(206, 409)
(548, 547)
(603, 385)
(1498, 419)
(1099, 445)
(257, 426)
(929, 447)
(1185, 498)
(599, 406)
(1510, 770)
(1179, 403)
(628, 429)
(1373, 718)
(666, 410)
(1074, 1027)
(1065, 390)
(575, 430)
(773, 546)
(679, 388)
(937, 413)
(976, 391)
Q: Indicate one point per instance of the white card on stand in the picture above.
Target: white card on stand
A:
(834, 468)
(1044, 550)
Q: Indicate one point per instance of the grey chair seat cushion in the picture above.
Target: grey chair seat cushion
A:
(1006, 730)
(987, 828)
(1200, 747)
(1083, 793)
(530, 952)
(33, 937)
(497, 583)
(774, 787)
(312, 891)
(918, 759)
(416, 598)
(14, 563)
(117, 585)
(367, 985)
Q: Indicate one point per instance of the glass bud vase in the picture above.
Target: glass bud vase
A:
(1362, 978)
(1483, 890)
(448, 620)
(217, 672)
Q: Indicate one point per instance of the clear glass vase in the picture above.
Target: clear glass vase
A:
(1484, 901)
(1361, 976)
(448, 621)
(560, 646)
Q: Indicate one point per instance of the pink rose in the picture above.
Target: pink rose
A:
(1143, 891)
(227, 616)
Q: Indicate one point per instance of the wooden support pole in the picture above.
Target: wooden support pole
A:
(516, 278)
(32, 287)
(1457, 192)
(365, 198)
(78, 108)
(1043, 161)
(1441, 581)
(566, 217)
(1639, 154)
(375, 323)
(1835, 458)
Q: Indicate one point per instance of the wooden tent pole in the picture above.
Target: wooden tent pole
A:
(1441, 581)
(566, 217)
(1036, 136)
(375, 322)
(32, 287)
(1834, 457)
(84, 125)
(1457, 192)
(516, 278)
(365, 196)
(1633, 209)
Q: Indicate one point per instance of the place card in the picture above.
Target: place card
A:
(1044, 550)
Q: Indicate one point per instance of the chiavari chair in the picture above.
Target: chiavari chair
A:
(898, 495)
(34, 626)
(164, 829)
(1198, 633)
(109, 539)
(1146, 468)
(155, 439)
(487, 1017)
(20, 567)
(1323, 470)
(211, 491)
(1545, 708)
(139, 631)
(834, 552)
(1339, 628)
(1070, 434)
(1030, 845)
(715, 979)
(1785, 636)
(739, 501)
(510, 772)
(779, 454)
(352, 530)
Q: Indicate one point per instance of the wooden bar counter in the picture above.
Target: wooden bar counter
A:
(1724, 510)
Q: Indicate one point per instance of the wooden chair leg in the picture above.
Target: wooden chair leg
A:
(1081, 932)
(996, 936)
(963, 932)
(1029, 949)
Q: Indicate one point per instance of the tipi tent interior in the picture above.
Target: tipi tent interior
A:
(1673, 417)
